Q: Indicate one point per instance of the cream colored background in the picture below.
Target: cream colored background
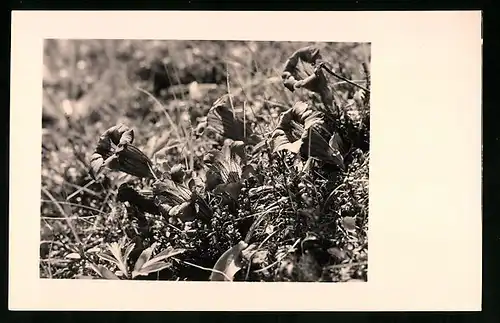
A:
(425, 186)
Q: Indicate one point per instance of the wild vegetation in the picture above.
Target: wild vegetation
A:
(205, 160)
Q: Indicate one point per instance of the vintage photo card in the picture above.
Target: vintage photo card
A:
(208, 161)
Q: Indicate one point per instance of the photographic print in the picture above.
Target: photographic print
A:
(205, 160)
(169, 159)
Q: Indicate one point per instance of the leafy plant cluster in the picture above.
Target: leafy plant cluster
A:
(248, 189)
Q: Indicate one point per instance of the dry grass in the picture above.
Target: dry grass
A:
(296, 218)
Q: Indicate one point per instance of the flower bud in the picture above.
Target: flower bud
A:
(134, 162)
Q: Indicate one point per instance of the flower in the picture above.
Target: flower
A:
(115, 151)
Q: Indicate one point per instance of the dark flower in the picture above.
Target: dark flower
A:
(115, 151)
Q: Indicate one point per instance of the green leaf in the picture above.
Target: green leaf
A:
(115, 250)
(93, 250)
(222, 120)
(95, 268)
(301, 109)
(279, 140)
(172, 192)
(213, 178)
(157, 263)
(155, 267)
(107, 257)
(185, 211)
(315, 145)
(73, 255)
(129, 249)
(231, 189)
(167, 253)
(144, 257)
(293, 147)
(229, 263)
(106, 273)
(84, 277)
(224, 123)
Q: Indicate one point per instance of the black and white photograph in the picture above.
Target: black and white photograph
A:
(333, 164)
(199, 160)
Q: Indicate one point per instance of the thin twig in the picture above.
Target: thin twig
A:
(82, 188)
(61, 218)
(77, 186)
(74, 204)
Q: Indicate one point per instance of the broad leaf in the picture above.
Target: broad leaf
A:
(93, 250)
(84, 277)
(167, 253)
(106, 273)
(315, 145)
(129, 249)
(223, 122)
(144, 257)
(279, 140)
(109, 258)
(157, 263)
(115, 250)
(294, 77)
(293, 147)
(172, 192)
(185, 211)
(155, 267)
(231, 189)
(229, 263)
(213, 178)
(170, 252)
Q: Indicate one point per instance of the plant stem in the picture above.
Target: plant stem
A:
(322, 64)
